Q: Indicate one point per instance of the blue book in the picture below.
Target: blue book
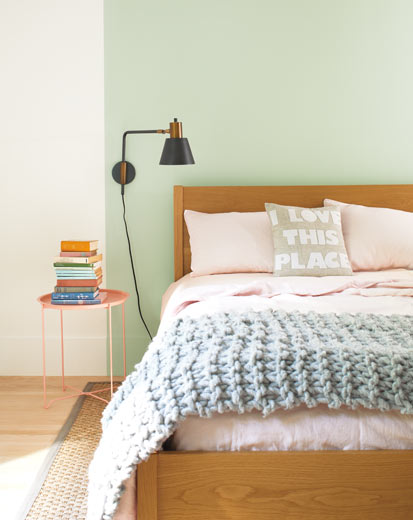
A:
(75, 302)
(74, 296)
(76, 272)
(77, 277)
(64, 270)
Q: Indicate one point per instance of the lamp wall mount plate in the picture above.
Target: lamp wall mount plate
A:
(123, 172)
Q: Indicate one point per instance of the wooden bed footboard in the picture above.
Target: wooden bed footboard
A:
(311, 485)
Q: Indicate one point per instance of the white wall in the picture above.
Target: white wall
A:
(51, 174)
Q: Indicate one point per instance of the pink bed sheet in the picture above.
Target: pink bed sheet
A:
(298, 429)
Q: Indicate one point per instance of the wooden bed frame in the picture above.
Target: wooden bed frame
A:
(310, 485)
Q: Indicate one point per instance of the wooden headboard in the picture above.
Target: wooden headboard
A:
(221, 199)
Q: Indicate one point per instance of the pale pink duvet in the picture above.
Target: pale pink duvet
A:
(381, 291)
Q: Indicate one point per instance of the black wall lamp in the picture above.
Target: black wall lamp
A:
(176, 151)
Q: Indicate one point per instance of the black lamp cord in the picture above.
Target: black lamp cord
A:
(131, 261)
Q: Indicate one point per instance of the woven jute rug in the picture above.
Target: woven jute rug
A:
(60, 490)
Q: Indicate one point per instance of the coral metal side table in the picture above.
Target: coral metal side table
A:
(110, 298)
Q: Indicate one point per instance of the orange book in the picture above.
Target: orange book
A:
(76, 282)
(78, 245)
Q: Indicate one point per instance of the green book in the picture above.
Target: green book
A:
(83, 266)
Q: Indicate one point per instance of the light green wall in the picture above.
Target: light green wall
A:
(269, 92)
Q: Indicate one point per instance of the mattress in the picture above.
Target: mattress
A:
(384, 292)
(298, 429)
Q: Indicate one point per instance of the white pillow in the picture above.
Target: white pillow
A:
(376, 238)
(229, 242)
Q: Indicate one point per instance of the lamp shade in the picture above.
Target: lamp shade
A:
(177, 151)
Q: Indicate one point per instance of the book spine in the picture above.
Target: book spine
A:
(80, 273)
(79, 283)
(76, 260)
(75, 277)
(78, 253)
(78, 245)
(71, 290)
(71, 260)
(74, 265)
(76, 302)
(79, 276)
(77, 269)
(74, 296)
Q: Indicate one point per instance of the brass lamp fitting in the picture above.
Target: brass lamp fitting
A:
(175, 129)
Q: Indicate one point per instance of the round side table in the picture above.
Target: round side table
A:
(110, 298)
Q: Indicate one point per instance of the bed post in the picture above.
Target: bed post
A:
(148, 489)
(179, 231)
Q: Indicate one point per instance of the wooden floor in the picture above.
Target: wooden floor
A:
(27, 431)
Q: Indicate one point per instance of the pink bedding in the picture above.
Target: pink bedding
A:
(262, 290)
(383, 292)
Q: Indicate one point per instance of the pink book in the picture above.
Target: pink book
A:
(78, 253)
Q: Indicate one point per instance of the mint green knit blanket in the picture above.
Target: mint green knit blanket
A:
(248, 361)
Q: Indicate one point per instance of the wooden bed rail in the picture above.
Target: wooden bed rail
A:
(311, 485)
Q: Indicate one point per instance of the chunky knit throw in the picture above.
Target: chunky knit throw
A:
(244, 361)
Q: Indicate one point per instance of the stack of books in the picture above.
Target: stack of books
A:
(78, 272)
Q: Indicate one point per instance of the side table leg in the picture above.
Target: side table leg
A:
(124, 345)
(44, 360)
(63, 350)
(110, 349)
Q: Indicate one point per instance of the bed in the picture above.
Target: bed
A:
(240, 485)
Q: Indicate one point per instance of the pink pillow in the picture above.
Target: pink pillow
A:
(229, 242)
(376, 238)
